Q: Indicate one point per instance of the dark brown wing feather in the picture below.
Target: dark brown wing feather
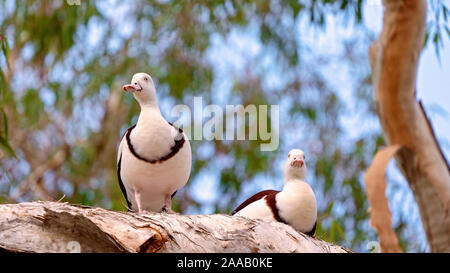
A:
(122, 187)
(254, 198)
(313, 230)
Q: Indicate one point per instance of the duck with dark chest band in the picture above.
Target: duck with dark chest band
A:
(154, 157)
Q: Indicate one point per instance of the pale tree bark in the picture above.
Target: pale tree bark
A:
(61, 227)
(394, 59)
(380, 215)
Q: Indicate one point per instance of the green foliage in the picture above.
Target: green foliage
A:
(33, 107)
(438, 25)
(4, 143)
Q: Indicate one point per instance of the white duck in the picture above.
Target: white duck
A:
(154, 157)
(295, 205)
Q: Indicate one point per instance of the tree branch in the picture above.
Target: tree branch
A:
(61, 227)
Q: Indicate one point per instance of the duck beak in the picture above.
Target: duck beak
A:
(131, 87)
(297, 163)
(128, 88)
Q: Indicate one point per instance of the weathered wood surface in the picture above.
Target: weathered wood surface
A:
(62, 227)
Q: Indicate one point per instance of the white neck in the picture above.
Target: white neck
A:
(148, 103)
(293, 174)
(149, 106)
(148, 111)
(294, 180)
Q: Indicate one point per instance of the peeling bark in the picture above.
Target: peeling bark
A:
(380, 214)
(394, 58)
(62, 227)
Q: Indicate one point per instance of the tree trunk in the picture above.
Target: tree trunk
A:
(61, 227)
(394, 59)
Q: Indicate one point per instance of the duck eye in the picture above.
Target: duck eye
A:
(146, 79)
(289, 155)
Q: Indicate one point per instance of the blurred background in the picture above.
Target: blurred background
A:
(62, 110)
